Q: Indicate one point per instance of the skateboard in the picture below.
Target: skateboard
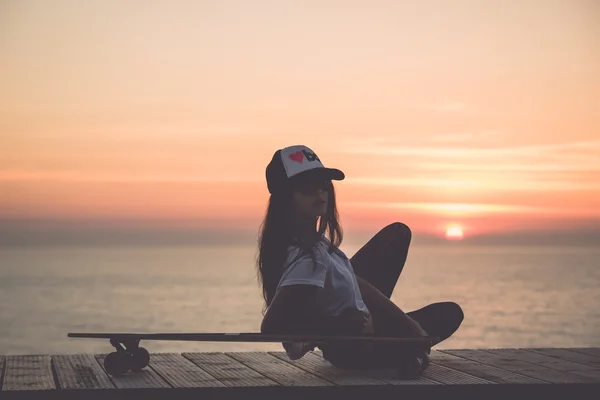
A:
(129, 356)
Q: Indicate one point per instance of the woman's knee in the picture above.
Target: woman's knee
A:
(398, 230)
(454, 312)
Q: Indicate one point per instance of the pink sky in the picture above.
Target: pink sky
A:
(481, 114)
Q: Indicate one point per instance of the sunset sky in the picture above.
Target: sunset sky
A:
(162, 115)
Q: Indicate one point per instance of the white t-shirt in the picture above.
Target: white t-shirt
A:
(332, 272)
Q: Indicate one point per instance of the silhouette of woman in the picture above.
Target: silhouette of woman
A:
(311, 287)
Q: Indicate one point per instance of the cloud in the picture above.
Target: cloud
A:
(591, 146)
(545, 167)
(482, 183)
(452, 107)
(379, 181)
(470, 137)
(474, 208)
(585, 165)
(76, 176)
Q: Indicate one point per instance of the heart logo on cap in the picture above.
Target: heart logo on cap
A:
(297, 156)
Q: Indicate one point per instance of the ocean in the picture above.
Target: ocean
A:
(511, 296)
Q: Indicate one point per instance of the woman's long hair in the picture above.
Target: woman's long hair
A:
(276, 234)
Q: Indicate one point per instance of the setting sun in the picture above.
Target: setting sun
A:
(454, 233)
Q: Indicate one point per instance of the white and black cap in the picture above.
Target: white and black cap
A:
(297, 163)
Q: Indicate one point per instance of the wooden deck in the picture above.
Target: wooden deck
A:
(519, 373)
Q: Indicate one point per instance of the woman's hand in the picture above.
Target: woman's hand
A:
(368, 329)
(348, 322)
(383, 307)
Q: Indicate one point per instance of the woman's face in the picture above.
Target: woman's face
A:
(312, 197)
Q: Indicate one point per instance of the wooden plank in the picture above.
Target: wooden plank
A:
(278, 370)
(569, 355)
(593, 374)
(144, 379)
(517, 366)
(479, 370)
(546, 361)
(320, 367)
(80, 371)
(1, 371)
(591, 351)
(450, 376)
(389, 375)
(540, 359)
(180, 372)
(228, 371)
(28, 373)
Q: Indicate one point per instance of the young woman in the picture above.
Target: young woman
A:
(311, 287)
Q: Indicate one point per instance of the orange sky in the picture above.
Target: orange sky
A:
(482, 114)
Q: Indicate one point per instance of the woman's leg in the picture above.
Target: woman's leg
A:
(439, 319)
(381, 260)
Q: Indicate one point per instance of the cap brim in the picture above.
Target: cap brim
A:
(335, 174)
(320, 173)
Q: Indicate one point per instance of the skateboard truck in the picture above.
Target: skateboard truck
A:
(130, 344)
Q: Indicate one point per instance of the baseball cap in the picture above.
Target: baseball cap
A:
(297, 162)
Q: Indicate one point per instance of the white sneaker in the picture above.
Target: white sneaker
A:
(297, 350)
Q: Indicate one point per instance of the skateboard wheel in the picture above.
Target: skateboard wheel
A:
(117, 363)
(140, 358)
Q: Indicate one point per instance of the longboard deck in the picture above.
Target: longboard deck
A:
(256, 337)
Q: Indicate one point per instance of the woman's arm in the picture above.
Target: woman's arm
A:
(293, 311)
(383, 308)
(289, 310)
